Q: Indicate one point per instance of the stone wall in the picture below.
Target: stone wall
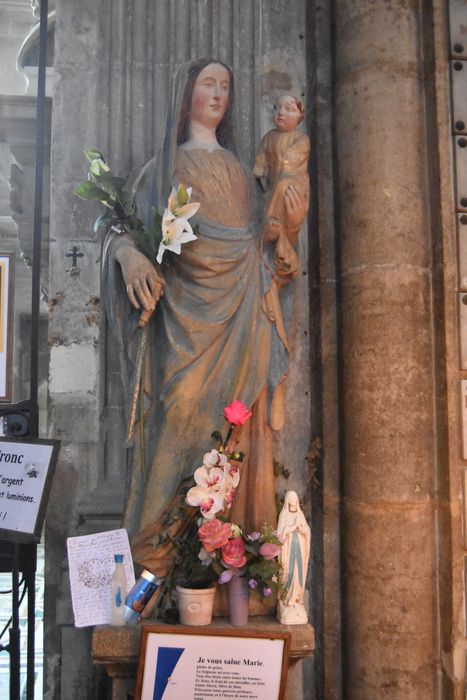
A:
(374, 440)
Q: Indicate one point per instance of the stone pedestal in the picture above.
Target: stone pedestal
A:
(117, 648)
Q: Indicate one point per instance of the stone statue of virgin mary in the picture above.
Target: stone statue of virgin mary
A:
(213, 338)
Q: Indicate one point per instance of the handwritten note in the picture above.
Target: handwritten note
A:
(91, 564)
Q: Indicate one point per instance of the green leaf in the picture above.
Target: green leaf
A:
(88, 190)
(92, 154)
(98, 168)
(106, 182)
(154, 232)
(182, 195)
(126, 200)
(250, 548)
(264, 569)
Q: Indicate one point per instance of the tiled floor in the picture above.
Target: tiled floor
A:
(5, 613)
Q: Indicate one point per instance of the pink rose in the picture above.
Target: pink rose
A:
(269, 550)
(236, 413)
(233, 553)
(214, 534)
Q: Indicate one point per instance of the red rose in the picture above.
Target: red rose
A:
(233, 553)
(236, 413)
(214, 534)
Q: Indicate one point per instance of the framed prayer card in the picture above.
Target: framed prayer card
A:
(200, 663)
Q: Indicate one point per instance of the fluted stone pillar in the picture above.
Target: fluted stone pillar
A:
(386, 352)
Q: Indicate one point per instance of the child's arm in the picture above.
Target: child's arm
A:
(260, 168)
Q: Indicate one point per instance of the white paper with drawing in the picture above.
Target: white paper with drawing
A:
(91, 564)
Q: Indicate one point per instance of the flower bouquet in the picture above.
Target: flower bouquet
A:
(230, 552)
(226, 553)
(165, 232)
(215, 483)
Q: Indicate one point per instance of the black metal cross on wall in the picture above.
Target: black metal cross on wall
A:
(74, 254)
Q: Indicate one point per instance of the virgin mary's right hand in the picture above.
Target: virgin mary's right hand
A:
(143, 284)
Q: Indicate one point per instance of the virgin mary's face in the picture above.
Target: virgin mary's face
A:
(210, 96)
(293, 502)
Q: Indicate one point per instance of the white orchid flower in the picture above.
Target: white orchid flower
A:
(232, 474)
(229, 497)
(176, 229)
(209, 502)
(213, 478)
(215, 459)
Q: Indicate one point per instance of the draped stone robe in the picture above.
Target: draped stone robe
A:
(210, 342)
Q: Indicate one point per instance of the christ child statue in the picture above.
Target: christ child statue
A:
(281, 167)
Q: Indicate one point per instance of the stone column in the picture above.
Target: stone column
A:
(386, 352)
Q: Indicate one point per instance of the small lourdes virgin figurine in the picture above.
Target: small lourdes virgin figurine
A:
(295, 532)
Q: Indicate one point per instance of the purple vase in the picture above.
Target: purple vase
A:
(239, 594)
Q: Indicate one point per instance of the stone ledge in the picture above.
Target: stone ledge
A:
(117, 648)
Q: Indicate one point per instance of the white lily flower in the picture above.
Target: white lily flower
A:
(187, 210)
(175, 232)
(175, 227)
(173, 199)
(180, 209)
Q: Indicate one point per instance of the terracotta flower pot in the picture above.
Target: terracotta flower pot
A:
(195, 605)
